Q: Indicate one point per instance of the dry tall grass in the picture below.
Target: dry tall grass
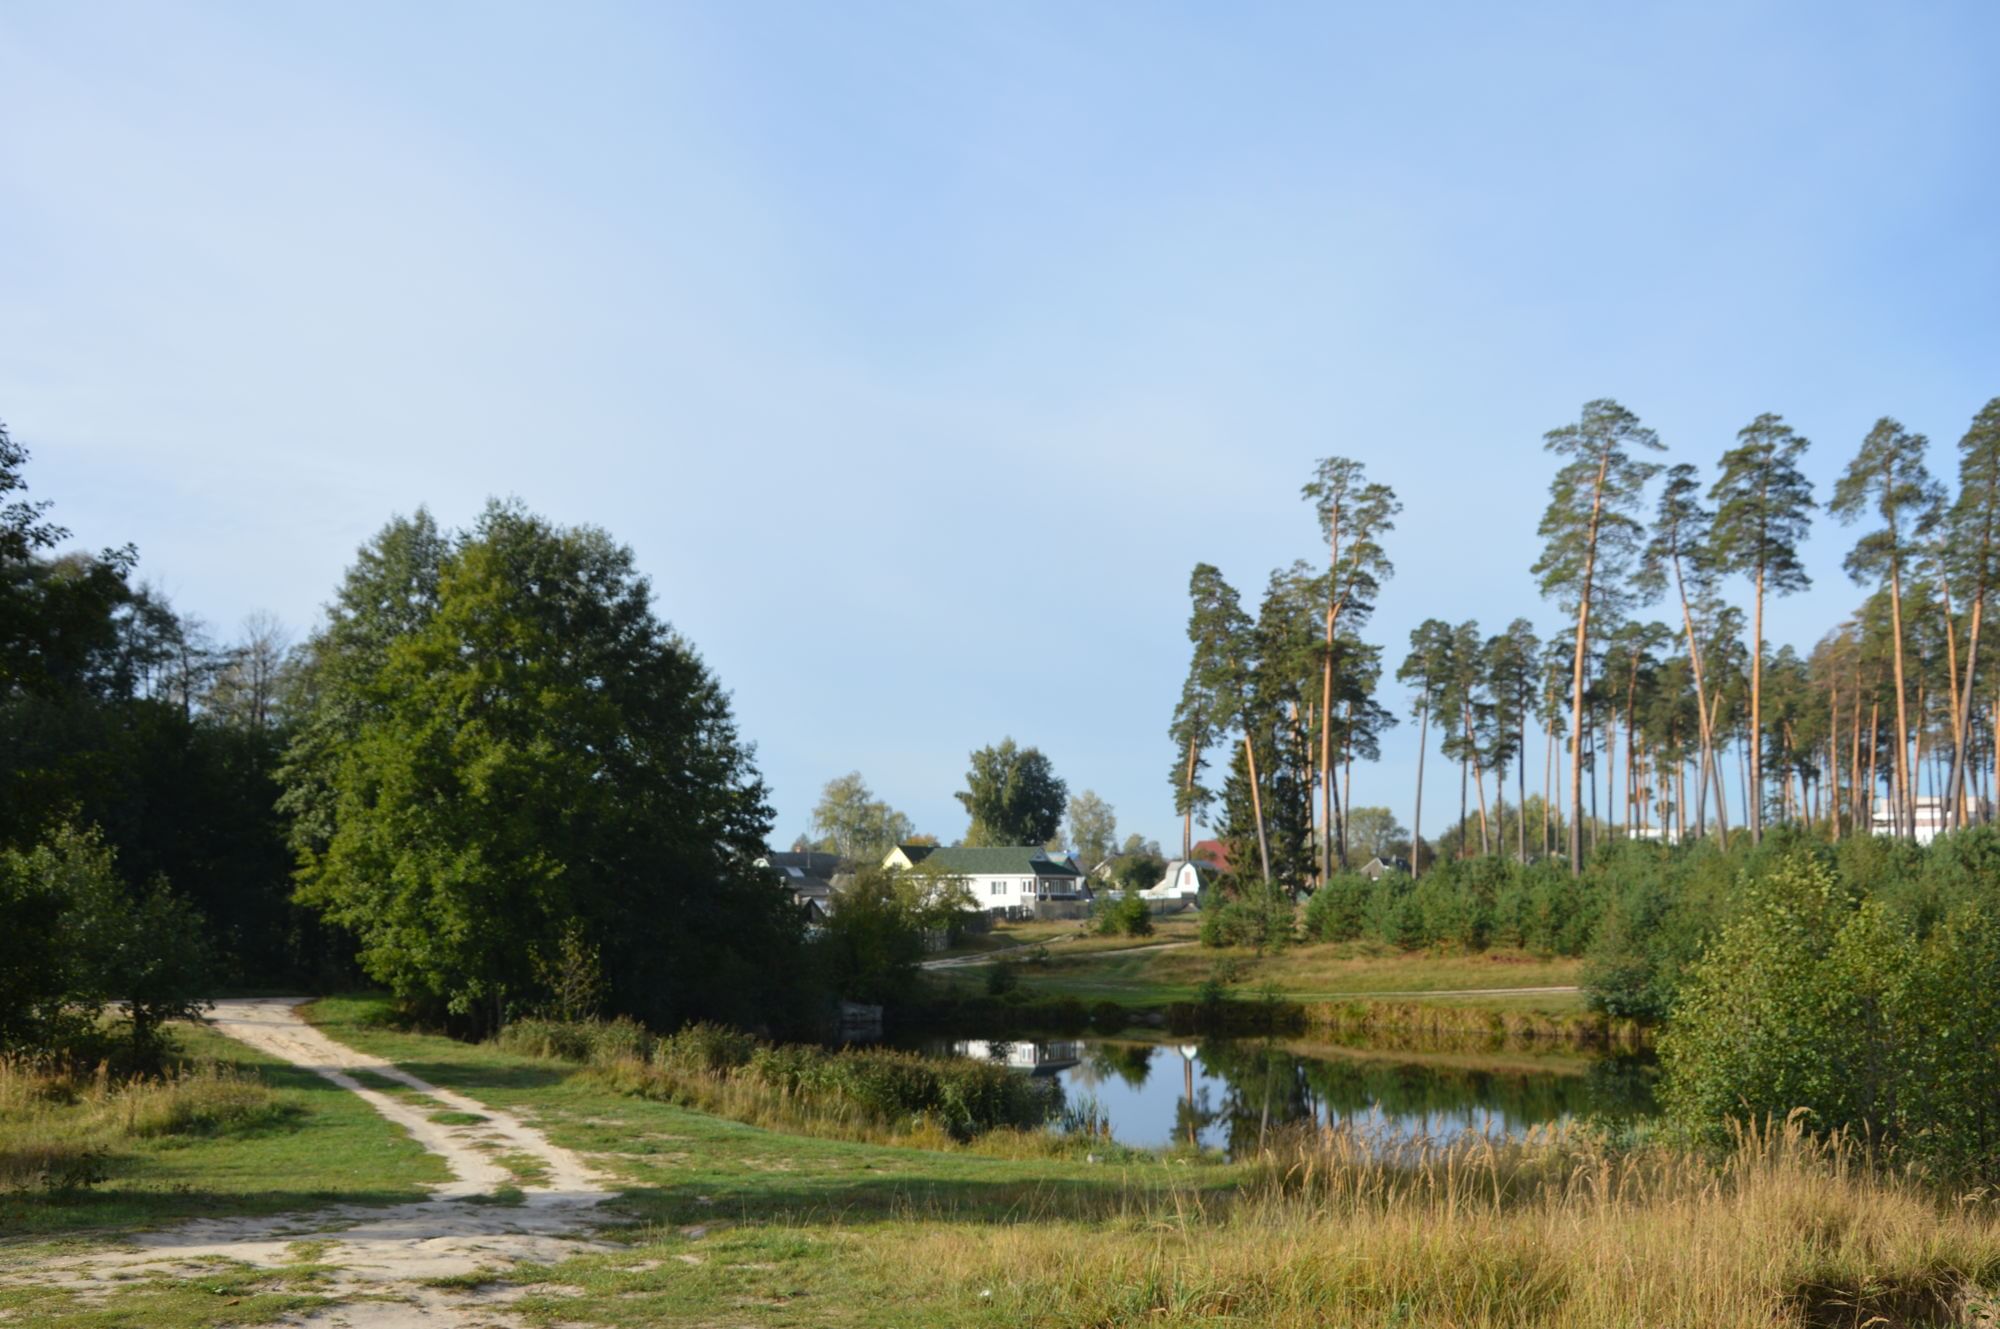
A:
(1337, 1229)
(58, 1127)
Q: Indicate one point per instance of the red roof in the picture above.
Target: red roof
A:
(1213, 851)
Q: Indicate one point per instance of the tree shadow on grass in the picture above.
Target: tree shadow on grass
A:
(471, 1079)
(79, 1212)
(851, 1200)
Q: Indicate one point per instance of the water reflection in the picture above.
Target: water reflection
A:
(1227, 1094)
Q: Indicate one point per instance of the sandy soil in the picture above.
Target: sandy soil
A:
(384, 1256)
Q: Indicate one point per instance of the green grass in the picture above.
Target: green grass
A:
(680, 1166)
(1066, 937)
(1160, 975)
(738, 1225)
(325, 1147)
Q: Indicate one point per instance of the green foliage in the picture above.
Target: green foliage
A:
(1336, 911)
(704, 1047)
(1138, 871)
(1093, 828)
(888, 1088)
(873, 943)
(1013, 796)
(855, 824)
(1207, 706)
(76, 941)
(1261, 921)
(1856, 1009)
(591, 765)
(1124, 915)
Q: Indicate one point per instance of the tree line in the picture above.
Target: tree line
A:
(1639, 718)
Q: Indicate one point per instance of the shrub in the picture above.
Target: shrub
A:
(704, 1047)
(1124, 914)
(1334, 913)
(724, 1070)
(1386, 915)
(1819, 1000)
(1260, 924)
(592, 1042)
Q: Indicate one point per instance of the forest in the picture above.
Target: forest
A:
(1618, 724)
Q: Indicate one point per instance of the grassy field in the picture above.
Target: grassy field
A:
(1066, 937)
(298, 1142)
(1157, 975)
(743, 1226)
(729, 1224)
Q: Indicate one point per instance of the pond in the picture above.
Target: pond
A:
(1225, 1093)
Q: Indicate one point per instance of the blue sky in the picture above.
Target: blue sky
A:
(920, 350)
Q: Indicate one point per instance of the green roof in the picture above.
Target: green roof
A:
(1025, 860)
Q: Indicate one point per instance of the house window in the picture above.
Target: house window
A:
(999, 888)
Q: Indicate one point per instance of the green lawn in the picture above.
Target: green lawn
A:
(733, 1224)
(326, 1147)
(1158, 975)
(1069, 937)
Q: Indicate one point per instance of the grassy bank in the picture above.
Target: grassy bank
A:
(1159, 975)
(229, 1131)
(762, 1228)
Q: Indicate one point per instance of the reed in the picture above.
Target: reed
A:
(1558, 1230)
(59, 1126)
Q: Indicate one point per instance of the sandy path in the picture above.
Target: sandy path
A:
(383, 1255)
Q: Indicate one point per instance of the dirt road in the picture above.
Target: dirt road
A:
(383, 1257)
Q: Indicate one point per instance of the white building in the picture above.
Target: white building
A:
(1182, 880)
(1930, 822)
(1000, 877)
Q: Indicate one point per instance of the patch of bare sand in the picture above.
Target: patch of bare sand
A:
(385, 1261)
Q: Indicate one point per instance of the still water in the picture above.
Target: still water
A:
(1224, 1094)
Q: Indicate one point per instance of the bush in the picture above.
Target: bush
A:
(592, 1042)
(1386, 915)
(1260, 924)
(704, 1047)
(1124, 914)
(709, 1066)
(1334, 913)
(1816, 999)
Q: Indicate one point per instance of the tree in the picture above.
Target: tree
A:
(1216, 628)
(389, 595)
(1513, 668)
(593, 774)
(1682, 547)
(1093, 828)
(1888, 474)
(1972, 559)
(856, 825)
(873, 944)
(1590, 539)
(1424, 669)
(1012, 796)
(93, 945)
(249, 686)
(1763, 506)
(1375, 831)
(1354, 513)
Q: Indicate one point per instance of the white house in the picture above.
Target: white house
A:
(1182, 880)
(1930, 820)
(1000, 877)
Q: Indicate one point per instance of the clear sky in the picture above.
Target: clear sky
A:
(920, 350)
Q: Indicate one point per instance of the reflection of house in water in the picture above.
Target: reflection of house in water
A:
(1034, 1058)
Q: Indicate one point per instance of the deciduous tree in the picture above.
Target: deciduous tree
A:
(1013, 796)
